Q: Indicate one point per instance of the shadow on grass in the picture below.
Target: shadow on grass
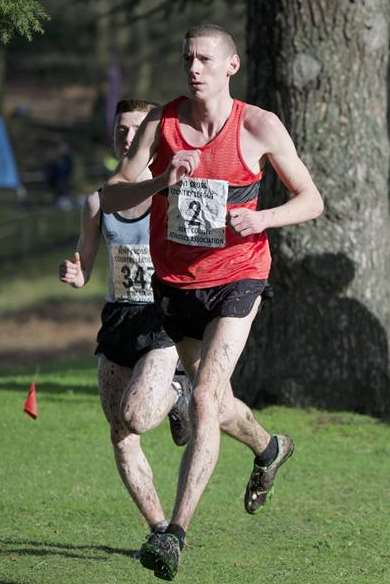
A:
(27, 547)
(12, 582)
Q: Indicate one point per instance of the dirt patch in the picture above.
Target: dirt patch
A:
(60, 330)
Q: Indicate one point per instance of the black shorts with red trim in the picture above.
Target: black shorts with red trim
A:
(187, 312)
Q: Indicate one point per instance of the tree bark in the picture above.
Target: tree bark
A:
(321, 65)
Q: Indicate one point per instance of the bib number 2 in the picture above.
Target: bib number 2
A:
(197, 212)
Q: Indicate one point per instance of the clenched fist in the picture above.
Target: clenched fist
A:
(183, 163)
(247, 222)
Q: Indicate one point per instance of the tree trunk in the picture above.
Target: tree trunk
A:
(321, 65)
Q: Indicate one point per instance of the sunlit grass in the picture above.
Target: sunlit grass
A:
(65, 517)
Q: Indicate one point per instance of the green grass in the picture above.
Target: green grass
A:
(65, 517)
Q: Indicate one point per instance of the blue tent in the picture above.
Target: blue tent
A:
(9, 177)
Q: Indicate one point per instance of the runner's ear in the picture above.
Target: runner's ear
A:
(234, 65)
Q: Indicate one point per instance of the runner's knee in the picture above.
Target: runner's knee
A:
(137, 422)
(123, 442)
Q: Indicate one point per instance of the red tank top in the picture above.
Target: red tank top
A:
(234, 257)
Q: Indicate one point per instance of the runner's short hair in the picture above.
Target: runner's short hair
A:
(134, 105)
(212, 30)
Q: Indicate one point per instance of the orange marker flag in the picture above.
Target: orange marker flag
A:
(31, 404)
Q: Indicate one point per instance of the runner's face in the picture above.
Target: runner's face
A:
(126, 126)
(208, 66)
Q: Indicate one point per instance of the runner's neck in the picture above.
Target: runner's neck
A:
(202, 122)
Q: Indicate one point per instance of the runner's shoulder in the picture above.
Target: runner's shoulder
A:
(261, 123)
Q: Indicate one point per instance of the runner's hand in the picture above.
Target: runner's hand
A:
(247, 222)
(183, 163)
(70, 272)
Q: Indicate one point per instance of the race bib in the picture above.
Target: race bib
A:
(197, 212)
(132, 273)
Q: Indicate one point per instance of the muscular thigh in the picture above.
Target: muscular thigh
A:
(222, 345)
(150, 380)
(142, 389)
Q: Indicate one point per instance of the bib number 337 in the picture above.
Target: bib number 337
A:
(197, 212)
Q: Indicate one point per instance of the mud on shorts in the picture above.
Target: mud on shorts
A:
(129, 331)
(187, 312)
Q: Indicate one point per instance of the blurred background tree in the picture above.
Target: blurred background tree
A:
(23, 17)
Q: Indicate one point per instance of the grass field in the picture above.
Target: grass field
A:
(65, 517)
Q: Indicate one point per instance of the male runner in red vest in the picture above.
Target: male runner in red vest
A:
(211, 255)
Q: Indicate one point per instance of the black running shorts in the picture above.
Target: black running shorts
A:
(186, 313)
(129, 331)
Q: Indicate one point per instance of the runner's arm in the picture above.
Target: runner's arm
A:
(122, 190)
(76, 272)
(89, 239)
(306, 202)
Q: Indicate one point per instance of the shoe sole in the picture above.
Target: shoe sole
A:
(148, 558)
(151, 561)
(182, 441)
(272, 490)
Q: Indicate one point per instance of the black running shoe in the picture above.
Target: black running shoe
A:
(179, 416)
(262, 477)
(161, 553)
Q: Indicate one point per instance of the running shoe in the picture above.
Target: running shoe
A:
(179, 416)
(262, 477)
(161, 553)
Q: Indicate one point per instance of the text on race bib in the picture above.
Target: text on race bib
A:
(132, 272)
(197, 212)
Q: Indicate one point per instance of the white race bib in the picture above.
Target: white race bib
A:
(132, 272)
(197, 212)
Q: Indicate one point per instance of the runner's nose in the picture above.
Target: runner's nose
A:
(193, 68)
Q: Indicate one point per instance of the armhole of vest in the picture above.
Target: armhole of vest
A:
(242, 105)
(168, 114)
(170, 111)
